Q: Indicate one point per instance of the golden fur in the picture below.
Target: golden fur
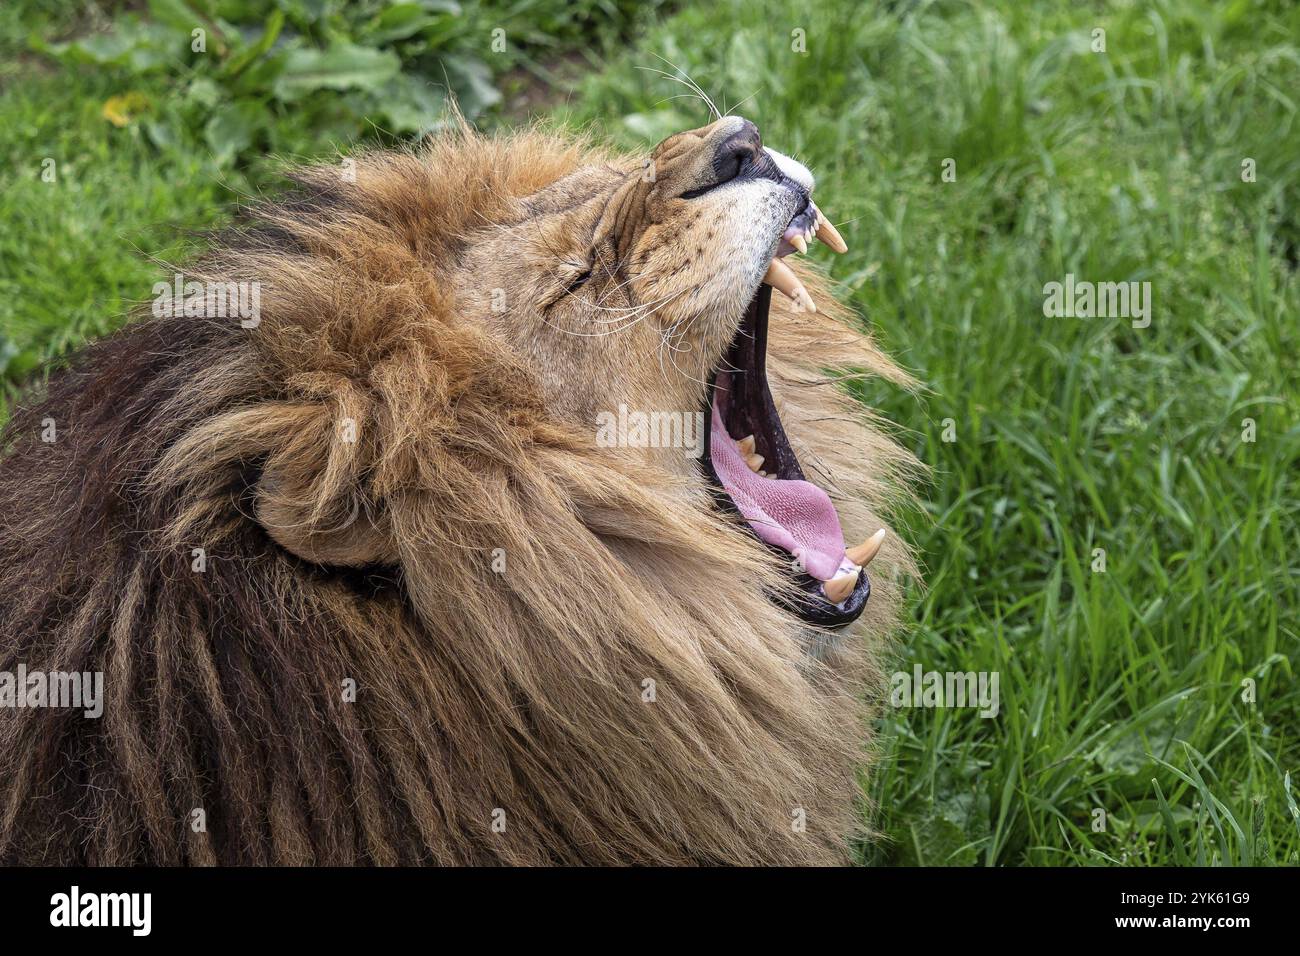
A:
(486, 695)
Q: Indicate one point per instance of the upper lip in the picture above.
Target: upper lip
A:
(745, 168)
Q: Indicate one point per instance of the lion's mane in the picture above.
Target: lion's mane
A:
(501, 714)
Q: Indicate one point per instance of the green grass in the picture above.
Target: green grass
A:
(77, 252)
(1121, 692)
(73, 251)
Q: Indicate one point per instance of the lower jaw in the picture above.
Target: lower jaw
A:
(750, 400)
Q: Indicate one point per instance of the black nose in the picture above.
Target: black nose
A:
(739, 154)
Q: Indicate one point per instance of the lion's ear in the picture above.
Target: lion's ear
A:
(340, 530)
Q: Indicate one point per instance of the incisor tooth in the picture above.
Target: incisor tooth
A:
(754, 462)
(746, 446)
(863, 553)
(782, 278)
(800, 243)
(841, 586)
(829, 234)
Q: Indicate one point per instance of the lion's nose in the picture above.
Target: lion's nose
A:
(738, 151)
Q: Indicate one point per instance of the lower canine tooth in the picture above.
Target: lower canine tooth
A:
(863, 553)
(746, 446)
(841, 586)
(755, 462)
(782, 278)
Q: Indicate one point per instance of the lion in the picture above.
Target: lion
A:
(364, 587)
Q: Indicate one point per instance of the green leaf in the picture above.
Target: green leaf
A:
(398, 22)
(162, 135)
(137, 46)
(948, 832)
(342, 67)
(240, 60)
(1290, 801)
(229, 132)
(411, 104)
(174, 13)
(1171, 827)
(471, 81)
(305, 13)
(204, 92)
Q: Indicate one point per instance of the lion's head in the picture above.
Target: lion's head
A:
(367, 582)
(633, 290)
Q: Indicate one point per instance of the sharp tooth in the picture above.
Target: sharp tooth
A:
(800, 243)
(755, 462)
(829, 234)
(863, 553)
(782, 278)
(841, 586)
(746, 446)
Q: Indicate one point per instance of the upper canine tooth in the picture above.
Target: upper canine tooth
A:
(829, 234)
(863, 553)
(800, 243)
(841, 586)
(782, 278)
(746, 446)
(754, 461)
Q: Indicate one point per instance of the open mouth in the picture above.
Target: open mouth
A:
(756, 471)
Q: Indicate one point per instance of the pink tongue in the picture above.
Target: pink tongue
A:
(794, 515)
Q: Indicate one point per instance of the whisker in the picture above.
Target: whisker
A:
(685, 79)
(744, 101)
(691, 80)
(627, 325)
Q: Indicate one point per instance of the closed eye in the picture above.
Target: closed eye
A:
(578, 282)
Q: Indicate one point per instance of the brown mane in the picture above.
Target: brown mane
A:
(478, 691)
